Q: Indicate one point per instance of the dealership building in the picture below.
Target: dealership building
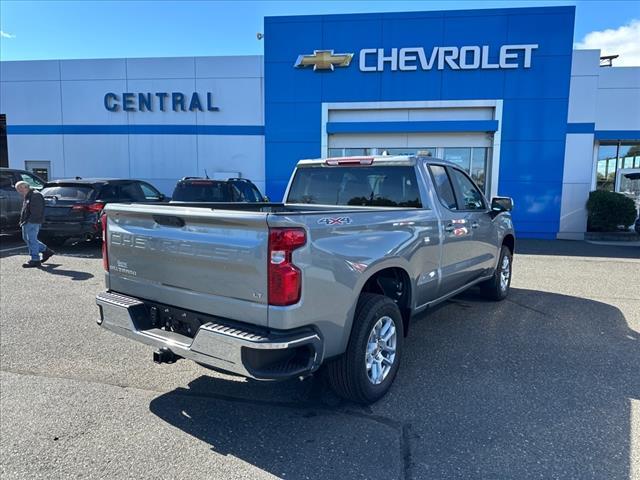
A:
(500, 92)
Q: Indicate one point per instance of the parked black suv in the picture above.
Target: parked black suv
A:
(10, 200)
(196, 189)
(73, 206)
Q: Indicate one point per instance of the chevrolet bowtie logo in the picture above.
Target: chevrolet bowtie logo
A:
(324, 60)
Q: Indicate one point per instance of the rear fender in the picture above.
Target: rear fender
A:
(395, 262)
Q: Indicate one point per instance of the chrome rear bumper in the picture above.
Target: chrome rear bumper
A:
(221, 344)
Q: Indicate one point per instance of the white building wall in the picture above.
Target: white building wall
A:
(618, 100)
(71, 92)
(601, 99)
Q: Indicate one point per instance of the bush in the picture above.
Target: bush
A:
(608, 210)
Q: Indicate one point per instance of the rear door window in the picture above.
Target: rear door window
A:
(202, 191)
(248, 193)
(380, 186)
(109, 193)
(150, 193)
(78, 193)
(131, 192)
(444, 189)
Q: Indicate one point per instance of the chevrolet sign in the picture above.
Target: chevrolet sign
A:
(471, 57)
(324, 60)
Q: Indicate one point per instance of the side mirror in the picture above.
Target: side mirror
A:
(266, 199)
(501, 204)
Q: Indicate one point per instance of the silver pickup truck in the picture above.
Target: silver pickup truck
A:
(331, 277)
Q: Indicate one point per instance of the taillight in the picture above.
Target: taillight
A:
(284, 277)
(92, 207)
(105, 252)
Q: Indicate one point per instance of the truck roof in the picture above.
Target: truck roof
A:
(372, 160)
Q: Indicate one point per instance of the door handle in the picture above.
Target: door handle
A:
(475, 225)
(2, 196)
(449, 228)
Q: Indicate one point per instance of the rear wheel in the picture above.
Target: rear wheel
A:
(497, 287)
(365, 372)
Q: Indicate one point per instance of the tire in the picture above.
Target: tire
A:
(497, 287)
(349, 375)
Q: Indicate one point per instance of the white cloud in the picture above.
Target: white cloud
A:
(623, 41)
(6, 35)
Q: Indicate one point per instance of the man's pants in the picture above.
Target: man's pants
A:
(30, 237)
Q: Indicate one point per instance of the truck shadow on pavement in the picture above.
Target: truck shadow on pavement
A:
(537, 386)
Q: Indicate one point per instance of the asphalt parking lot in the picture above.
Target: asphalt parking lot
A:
(543, 385)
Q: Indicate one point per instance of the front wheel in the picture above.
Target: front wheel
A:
(365, 372)
(497, 287)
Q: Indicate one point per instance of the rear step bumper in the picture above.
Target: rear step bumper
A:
(221, 344)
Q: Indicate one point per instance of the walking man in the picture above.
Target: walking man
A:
(31, 219)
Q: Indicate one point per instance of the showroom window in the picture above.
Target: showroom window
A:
(349, 152)
(474, 161)
(611, 158)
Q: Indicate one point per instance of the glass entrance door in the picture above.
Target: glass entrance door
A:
(628, 183)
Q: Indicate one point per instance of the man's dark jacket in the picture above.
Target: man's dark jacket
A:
(32, 208)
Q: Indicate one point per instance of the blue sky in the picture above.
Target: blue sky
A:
(104, 29)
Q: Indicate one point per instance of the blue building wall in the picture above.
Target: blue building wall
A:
(535, 100)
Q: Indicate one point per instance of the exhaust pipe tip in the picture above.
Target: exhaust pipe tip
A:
(164, 355)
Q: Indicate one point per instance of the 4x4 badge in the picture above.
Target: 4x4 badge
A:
(335, 220)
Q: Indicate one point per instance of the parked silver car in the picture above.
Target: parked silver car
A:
(331, 277)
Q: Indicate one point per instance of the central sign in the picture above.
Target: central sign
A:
(470, 57)
(148, 102)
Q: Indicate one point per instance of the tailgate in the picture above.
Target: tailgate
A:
(213, 262)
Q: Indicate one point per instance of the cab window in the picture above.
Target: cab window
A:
(468, 195)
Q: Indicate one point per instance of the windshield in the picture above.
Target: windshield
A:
(202, 191)
(384, 186)
(69, 192)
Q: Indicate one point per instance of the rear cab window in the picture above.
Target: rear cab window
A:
(375, 186)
